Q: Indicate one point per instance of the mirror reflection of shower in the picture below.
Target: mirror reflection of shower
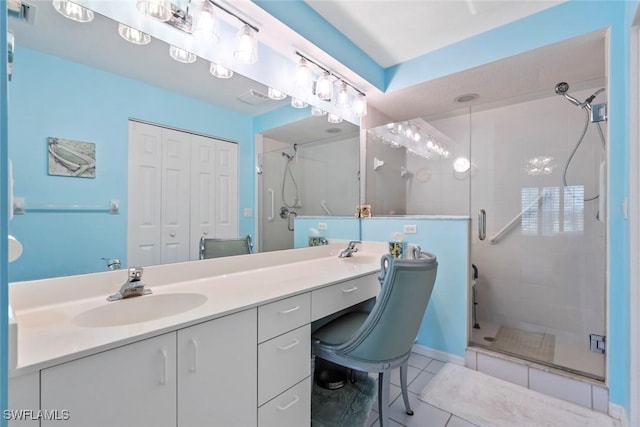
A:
(594, 113)
(288, 178)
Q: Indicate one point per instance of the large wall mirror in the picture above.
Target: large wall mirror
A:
(83, 82)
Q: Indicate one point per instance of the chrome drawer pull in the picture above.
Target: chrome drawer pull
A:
(291, 310)
(346, 291)
(289, 405)
(287, 347)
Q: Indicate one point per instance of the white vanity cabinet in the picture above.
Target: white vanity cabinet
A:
(217, 370)
(129, 386)
(201, 375)
(284, 353)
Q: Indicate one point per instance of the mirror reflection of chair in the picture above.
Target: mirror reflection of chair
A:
(216, 248)
(381, 340)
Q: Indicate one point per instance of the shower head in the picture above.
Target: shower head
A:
(562, 88)
(287, 156)
(291, 156)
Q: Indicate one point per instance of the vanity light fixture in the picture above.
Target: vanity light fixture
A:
(220, 72)
(73, 11)
(246, 45)
(205, 27)
(298, 103)
(182, 55)
(276, 94)
(334, 118)
(132, 35)
(157, 9)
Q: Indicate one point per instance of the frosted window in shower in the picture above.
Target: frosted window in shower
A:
(529, 197)
(550, 211)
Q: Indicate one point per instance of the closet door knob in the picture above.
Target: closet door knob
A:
(172, 234)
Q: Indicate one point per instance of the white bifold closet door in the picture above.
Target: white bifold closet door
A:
(181, 186)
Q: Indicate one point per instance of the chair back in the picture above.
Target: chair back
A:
(391, 327)
(216, 248)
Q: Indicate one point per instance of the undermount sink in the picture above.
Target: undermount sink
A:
(138, 309)
(362, 259)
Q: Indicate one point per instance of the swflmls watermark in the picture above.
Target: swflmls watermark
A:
(36, 414)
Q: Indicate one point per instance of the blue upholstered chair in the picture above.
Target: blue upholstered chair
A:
(381, 340)
(216, 248)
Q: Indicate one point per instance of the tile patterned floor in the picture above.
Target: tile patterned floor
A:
(421, 370)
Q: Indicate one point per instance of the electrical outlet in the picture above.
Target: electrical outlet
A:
(248, 212)
(410, 229)
(322, 226)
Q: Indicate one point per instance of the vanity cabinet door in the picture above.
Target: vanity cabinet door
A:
(217, 372)
(130, 386)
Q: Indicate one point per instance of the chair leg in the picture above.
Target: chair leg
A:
(403, 385)
(383, 398)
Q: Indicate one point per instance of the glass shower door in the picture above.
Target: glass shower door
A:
(540, 291)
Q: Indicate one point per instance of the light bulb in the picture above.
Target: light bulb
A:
(334, 118)
(157, 9)
(360, 106)
(182, 55)
(205, 27)
(298, 103)
(342, 100)
(132, 35)
(324, 87)
(303, 74)
(276, 94)
(73, 11)
(219, 71)
(246, 46)
(317, 112)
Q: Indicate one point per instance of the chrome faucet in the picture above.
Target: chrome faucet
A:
(351, 248)
(112, 263)
(133, 287)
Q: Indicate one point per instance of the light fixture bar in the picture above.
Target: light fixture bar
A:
(224, 9)
(331, 73)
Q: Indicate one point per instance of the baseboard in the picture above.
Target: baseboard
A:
(618, 412)
(437, 354)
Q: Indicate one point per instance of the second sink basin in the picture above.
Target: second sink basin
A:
(139, 309)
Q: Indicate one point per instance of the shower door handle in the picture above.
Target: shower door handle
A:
(482, 224)
(272, 213)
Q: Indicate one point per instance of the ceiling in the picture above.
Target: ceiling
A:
(385, 30)
(391, 32)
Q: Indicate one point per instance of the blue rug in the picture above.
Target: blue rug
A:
(348, 406)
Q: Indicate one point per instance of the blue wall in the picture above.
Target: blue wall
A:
(49, 96)
(444, 327)
(340, 228)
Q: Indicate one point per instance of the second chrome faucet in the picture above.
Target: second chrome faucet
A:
(133, 287)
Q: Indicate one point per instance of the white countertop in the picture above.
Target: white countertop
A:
(45, 309)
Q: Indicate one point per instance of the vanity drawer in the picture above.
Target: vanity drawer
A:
(334, 298)
(282, 316)
(290, 409)
(282, 362)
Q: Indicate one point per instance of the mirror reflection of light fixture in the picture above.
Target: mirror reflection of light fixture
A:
(132, 35)
(73, 11)
(343, 100)
(182, 55)
(324, 87)
(220, 72)
(334, 118)
(360, 106)
(461, 164)
(246, 50)
(276, 94)
(298, 103)
(157, 9)
(317, 112)
(205, 26)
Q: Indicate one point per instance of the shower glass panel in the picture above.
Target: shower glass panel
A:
(540, 291)
(317, 178)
